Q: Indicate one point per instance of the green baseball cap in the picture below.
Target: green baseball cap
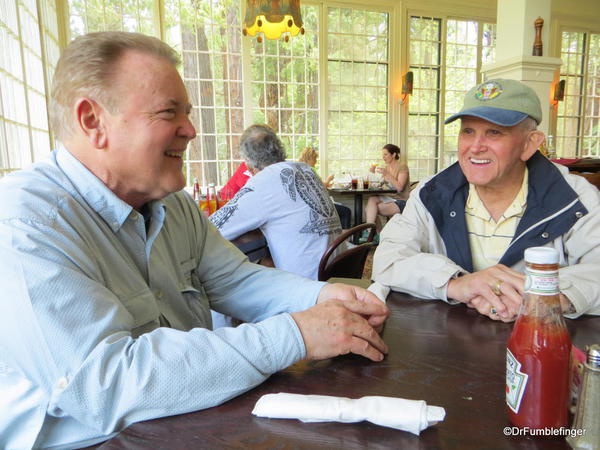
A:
(501, 101)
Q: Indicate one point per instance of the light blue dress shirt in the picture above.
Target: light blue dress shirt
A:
(104, 324)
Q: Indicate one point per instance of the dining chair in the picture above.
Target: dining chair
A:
(351, 262)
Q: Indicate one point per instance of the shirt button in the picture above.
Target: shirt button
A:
(545, 235)
(452, 213)
(579, 214)
(159, 295)
(62, 383)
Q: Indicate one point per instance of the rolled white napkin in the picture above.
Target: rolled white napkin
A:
(380, 291)
(399, 413)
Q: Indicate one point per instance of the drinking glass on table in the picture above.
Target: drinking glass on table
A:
(372, 180)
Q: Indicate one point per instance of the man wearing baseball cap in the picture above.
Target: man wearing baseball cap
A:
(462, 235)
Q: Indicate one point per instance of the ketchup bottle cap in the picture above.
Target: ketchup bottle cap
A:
(541, 255)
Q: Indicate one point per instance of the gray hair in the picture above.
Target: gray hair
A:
(86, 68)
(261, 147)
(527, 124)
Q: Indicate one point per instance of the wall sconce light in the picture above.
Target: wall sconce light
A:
(559, 91)
(407, 83)
(272, 18)
(407, 86)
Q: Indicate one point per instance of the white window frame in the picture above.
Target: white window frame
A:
(441, 153)
(39, 138)
(398, 15)
(583, 96)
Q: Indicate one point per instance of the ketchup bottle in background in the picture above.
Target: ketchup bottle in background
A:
(539, 349)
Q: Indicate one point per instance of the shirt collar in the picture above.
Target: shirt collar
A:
(517, 207)
(476, 207)
(95, 193)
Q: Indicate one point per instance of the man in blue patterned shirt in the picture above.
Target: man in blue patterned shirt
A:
(286, 200)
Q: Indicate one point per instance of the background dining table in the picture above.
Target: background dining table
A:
(580, 164)
(449, 356)
(358, 199)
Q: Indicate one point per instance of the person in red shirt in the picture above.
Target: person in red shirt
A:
(235, 183)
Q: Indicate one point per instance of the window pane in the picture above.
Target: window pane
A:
(424, 104)
(591, 128)
(108, 15)
(209, 38)
(358, 88)
(468, 44)
(577, 131)
(290, 102)
(24, 130)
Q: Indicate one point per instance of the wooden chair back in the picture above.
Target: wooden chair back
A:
(350, 263)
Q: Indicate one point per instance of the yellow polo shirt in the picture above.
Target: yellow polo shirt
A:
(489, 239)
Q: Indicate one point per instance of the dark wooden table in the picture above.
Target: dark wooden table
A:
(584, 165)
(253, 244)
(449, 356)
(358, 198)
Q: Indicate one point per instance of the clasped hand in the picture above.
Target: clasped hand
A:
(344, 320)
(496, 292)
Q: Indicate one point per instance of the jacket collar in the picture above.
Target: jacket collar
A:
(445, 196)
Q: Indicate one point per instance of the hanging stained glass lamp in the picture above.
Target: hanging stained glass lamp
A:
(272, 19)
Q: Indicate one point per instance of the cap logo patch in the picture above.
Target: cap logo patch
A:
(488, 91)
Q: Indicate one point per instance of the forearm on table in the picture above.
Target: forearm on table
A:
(579, 286)
(423, 275)
(264, 291)
(168, 372)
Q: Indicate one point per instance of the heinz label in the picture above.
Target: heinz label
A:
(516, 381)
(541, 282)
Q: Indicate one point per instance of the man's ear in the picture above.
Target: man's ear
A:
(90, 120)
(533, 141)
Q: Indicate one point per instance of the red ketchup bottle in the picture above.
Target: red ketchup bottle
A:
(539, 349)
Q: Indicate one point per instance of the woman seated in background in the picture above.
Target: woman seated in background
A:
(309, 156)
(395, 176)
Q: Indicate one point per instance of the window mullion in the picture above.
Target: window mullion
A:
(323, 42)
(159, 19)
(479, 78)
(440, 132)
(25, 85)
(247, 76)
(583, 93)
(47, 80)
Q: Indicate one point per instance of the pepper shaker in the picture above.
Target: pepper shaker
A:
(586, 426)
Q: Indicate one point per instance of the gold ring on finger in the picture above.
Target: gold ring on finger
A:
(497, 288)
